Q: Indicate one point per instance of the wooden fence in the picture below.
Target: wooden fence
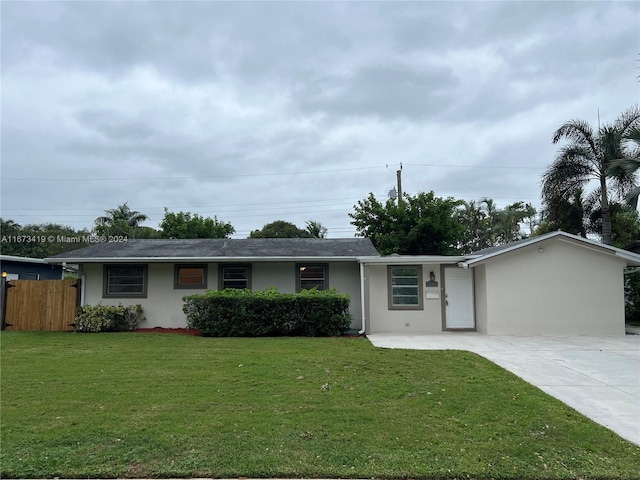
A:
(48, 305)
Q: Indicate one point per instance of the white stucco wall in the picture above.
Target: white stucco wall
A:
(564, 290)
(380, 319)
(163, 305)
(480, 285)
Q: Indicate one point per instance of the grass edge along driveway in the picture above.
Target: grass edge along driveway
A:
(160, 405)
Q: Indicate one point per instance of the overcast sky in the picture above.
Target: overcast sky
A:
(260, 111)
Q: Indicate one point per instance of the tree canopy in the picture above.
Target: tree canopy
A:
(280, 229)
(629, 164)
(120, 221)
(39, 240)
(485, 225)
(316, 229)
(188, 225)
(590, 155)
(421, 224)
(566, 214)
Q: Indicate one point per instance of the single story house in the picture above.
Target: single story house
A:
(25, 268)
(553, 284)
(158, 273)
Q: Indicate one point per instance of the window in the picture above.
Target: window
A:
(312, 275)
(125, 281)
(235, 276)
(190, 276)
(405, 287)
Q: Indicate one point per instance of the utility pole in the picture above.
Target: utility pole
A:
(399, 175)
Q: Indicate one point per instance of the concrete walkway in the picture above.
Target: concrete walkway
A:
(599, 377)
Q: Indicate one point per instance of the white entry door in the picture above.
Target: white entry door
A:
(458, 298)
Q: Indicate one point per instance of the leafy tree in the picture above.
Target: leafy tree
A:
(9, 228)
(39, 240)
(476, 227)
(486, 226)
(589, 156)
(119, 221)
(564, 214)
(625, 224)
(419, 225)
(279, 229)
(507, 227)
(147, 232)
(505, 224)
(187, 225)
(316, 229)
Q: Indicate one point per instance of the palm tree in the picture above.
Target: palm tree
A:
(589, 156)
(316, 229)
(476, 226)
(120, 221)
(493, 217)
(628, 166)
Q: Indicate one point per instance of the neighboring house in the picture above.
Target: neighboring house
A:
(158, 273)
(554, 284)
(24, 268)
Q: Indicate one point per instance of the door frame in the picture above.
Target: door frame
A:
(443, 299)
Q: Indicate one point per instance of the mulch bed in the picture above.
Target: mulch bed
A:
(196, 333)
(180, 331)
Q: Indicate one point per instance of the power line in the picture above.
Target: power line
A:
(301, 172)
(509, 167)
(196, 176)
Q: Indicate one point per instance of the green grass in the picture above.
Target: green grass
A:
(159, 405)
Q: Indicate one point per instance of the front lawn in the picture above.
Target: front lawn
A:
(161, 405)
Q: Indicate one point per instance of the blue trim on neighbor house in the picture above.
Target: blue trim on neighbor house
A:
(28, 270)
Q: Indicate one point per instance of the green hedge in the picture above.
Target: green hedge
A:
(107, 318)
(243, 313)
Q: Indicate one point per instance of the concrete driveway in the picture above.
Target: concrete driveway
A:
(599, 377)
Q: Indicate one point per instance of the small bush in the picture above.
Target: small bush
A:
(243, 313)
(107, 318)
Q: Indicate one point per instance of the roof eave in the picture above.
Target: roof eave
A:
(14, 258)
(415, 259)
(632, 258)
(202, 259)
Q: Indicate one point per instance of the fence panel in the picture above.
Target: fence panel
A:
(46, 305)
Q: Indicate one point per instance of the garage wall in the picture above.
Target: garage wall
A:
(382, 320)
(554, 287)
(480, 289)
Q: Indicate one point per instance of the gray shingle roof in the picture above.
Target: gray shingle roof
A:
(219, 248)
(487, 251)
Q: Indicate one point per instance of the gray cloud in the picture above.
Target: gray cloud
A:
(384, 91)
(229, 108)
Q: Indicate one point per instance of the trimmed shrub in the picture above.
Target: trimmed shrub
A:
(107, 318)
(243, 313)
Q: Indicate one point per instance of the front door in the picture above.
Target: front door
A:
(458, 298)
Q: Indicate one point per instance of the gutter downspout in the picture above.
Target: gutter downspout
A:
(83, 279)
(362, 300)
